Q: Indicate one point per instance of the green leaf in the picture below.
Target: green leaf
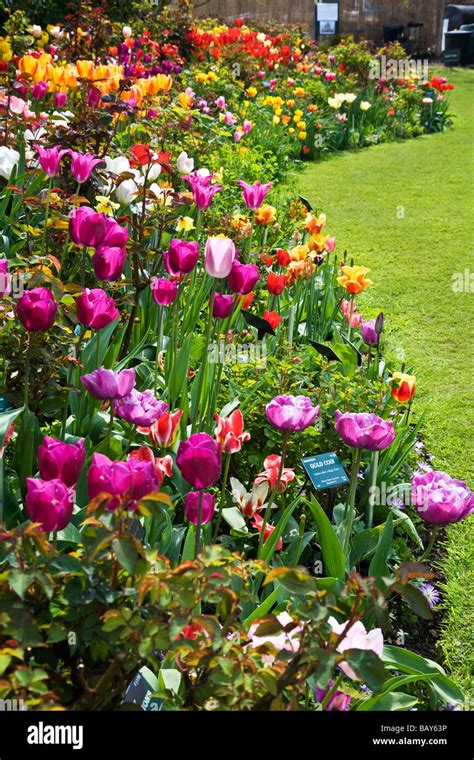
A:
(415, 599)
(20, 582)
(294, 579)
(409, 662)
(126, 553)
(378, 565)
(391, 701)
(6, 419)
(367, 666)
(333, 557)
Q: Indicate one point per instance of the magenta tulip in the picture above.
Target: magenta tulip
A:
(94, 308)
(339, 700)
(182, 256)
(203, 191)
(49, 502)
(39, 90)
(140, 408)
(87, 227)
(115, 235)
(222, 306)
(37, 309)
(108, 262)
(82, 165)
(5, 278)
(219, 256)
(440, 499)
(164, 291)
(191, 507)
(199, 459)
(50, 159)
(126, 482)
(365, 431)
(243, 277)
(105, 384)
(291, 412)
(254, 195)
(60, 99)
(62, 461)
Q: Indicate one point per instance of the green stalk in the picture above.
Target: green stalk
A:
(349, 510)
(222, 497)
(158, 346)
(27, 370)
(373, 484)
(428, 549)
(202, 370)
(197, 543)
(274, 490)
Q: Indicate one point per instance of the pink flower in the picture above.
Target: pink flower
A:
(125, 482)
(199, 459)
(270, 473)
(222, 305)
(82, 165)
(39, 90)
(139, 408)
(357, 637)
(163, 431)
(293, 413)
(49, 502)
(108, 262)
(60, 99)
(287, 640)
(37, 309)
(254, 195)
(164, 291)
(191, 508)
(163, 465)
(249, 502)
(94, 308)
(50, 159)
(61, 461)
(105, 384)
(219, 256)
(440, 499)
(230, 431)
(86, 227)
(247, 126)
(5, 278)
(182, 256)
(203, 191)
(243, 277)
(365, 431)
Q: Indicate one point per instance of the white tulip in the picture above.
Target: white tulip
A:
(350, 97)
(334, 103)
(126, 192)
(127, 32)
(117, 165)
(154, 171)
(184, 163)
(36, 30)
(365, 105)
(9, 158)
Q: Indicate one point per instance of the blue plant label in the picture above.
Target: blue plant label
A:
(325, 471)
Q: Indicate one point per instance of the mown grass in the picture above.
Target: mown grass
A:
(406, 210)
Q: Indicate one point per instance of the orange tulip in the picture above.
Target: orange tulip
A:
(354, 280)
(85, 69)
(403, 388)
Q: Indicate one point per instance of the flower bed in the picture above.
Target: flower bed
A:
(180, 335)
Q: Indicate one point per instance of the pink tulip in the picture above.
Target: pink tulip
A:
(365, 431)
(222, 305)
(82, 165)
(191, 508)
(243, 277)
(219, 256)
(230, 431)
(108, 262)
(164, 291)
(356, 637)
(50, 159)
(105, 384)
(39, 90)
(87, 227)
(61, 461)
(291, 412)
(60, 99)
(125, 482)
(94, 308)
(203, 191)
(49, 502)
(199, 459)
(254, 195)
(37, 309)
(182, 256)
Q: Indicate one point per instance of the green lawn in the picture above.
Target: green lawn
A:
(406, 211)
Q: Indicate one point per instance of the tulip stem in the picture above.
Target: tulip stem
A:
(351, 311)
(111, 424)
(27, 371)
(350, 504)
(432, 540)
(330, 692)
(158, 346)
(203, 367)
(222, 498)
(197, 542)
(373, 485)
(46, 219)
(286, 435)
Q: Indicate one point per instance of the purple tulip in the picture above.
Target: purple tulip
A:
(219, 256)
(105, 384)
(94, 308)
(440, 499)
(87, 227)
(254, 195)
(39, 90)
(49, 502)
(61, 461)
(365, 431)
(50, 159)
(82, 165)
(140, 408)
(243, 277)
(222, 306)
(164, 291)
(5, 278)
(199, 459)
(203, 191)
(369, 333)
(182, 256)
(126, 482)
(191, 508)
(291, 412)
(37, 309)
(108, 262)
(338, 701)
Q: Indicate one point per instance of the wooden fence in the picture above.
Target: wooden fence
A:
(362, 18)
